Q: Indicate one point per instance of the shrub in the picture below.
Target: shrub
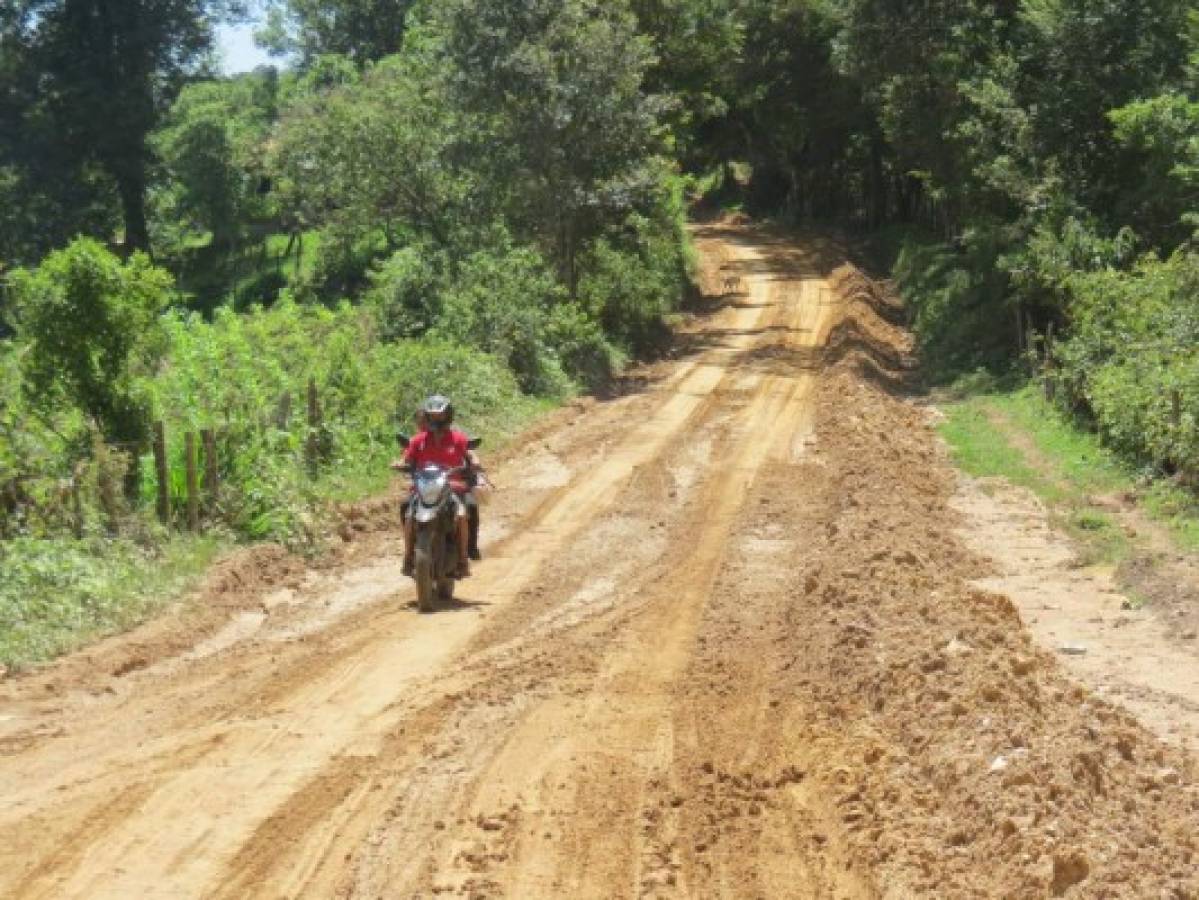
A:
(1131, 358)
(90, 325)
(500, 302)
(246, 377)
(957, 306)
(405, 291)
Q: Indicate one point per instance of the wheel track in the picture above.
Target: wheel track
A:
(187, 853)
(504, 863)
(701, 408)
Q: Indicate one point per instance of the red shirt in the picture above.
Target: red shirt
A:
(447, 448)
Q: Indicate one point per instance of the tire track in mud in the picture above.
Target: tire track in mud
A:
(603, 743)
(511, 653)
(624, 729)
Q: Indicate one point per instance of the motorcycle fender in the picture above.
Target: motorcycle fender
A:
(425, 514)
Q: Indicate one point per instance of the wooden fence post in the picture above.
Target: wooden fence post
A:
(1048, 380)
(77, 499)
(312, 447)
(211, 472)
(160, 468)
(193, 482)
(1176, 408)
(104, 483)
(283, 411)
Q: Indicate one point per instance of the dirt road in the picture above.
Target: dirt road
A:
(724, 644)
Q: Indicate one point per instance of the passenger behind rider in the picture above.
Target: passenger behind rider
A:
(438, 442)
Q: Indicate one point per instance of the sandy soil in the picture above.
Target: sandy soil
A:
(726, 642)
(1135, 655)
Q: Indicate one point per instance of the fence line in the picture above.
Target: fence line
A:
(201, 501)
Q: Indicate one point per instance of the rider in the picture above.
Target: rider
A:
(438, 442)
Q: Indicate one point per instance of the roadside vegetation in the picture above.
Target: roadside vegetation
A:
(1007, 430)
(490, 199)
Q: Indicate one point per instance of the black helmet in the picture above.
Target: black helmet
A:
(438, 412)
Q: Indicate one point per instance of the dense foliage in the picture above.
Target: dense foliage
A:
(1032, 164)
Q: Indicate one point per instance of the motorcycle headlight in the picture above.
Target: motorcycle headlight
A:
(431, 488)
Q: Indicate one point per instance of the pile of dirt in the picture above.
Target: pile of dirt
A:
(853, 285)
(870, 335)
(964, 761)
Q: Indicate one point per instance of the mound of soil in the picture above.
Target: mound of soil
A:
(966, 763)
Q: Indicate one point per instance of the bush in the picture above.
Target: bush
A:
(629, 293)
(957, 303)
(581, 346)
(501, 299)
(1131, 357)
(632, 278)
(246, 377)
(90, 325)
(406, 289)
(500, 302)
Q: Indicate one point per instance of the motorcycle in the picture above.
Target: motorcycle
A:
(435, 539)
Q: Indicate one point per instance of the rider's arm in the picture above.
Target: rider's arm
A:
(413, 448)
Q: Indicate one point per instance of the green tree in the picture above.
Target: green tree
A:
(213, 144)
(376, 161)
(48, 190)
(90, 325)
(1081, 59)
(697, 48)
(813, 144)
(560, 121)
(362, 30)
(105, 71)
(913, 62)
(1163, 134)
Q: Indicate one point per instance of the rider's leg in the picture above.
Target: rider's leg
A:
(472, 513)
(409, 539)
(463, 524)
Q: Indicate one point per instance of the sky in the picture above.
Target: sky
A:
(238, 53)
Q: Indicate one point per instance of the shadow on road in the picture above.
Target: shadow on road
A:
(458, 604)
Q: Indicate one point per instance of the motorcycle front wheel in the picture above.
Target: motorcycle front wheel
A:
(423, 570)
(445, 589)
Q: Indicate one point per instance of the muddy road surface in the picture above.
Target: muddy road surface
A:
(725, 642)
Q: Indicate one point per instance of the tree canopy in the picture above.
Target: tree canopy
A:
(86, 83)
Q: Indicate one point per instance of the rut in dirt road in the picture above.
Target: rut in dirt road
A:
(724, 644)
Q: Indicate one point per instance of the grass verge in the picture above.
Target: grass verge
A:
(55, 594)
(1016, 435)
